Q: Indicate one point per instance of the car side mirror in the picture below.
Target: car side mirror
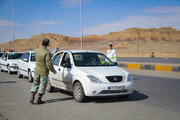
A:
(25, 60)
(66, 65)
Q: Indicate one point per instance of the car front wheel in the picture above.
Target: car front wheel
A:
(78, 92)
(1, 70)
(30, 78)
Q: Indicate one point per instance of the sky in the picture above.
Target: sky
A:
(33, 17)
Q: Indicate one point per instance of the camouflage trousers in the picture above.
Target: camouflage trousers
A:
(39, 85)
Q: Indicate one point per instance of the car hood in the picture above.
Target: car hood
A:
(14, 61)
(102, 72)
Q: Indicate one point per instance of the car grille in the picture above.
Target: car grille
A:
(112, 91)
(114, 78)
(15, 67)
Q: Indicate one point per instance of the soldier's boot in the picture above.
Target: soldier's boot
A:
(39, 101)
(32, 98)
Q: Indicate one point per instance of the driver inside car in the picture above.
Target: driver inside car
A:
(92, 60)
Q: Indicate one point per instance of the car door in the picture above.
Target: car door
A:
(55, 81)
(22, 64)
(25, 62)
(65, 72)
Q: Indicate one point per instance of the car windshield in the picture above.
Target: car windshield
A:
(33, 59)
(1, 54)
(14, 55)
(91, 59)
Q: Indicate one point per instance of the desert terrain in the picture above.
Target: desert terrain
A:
(133, 42)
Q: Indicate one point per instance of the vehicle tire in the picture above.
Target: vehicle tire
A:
(50, 88)
(19, 74)
(30, 78)
(9, 70)
(1, 70)
(78, 92)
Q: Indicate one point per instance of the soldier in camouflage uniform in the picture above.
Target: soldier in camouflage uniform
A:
(43, 65)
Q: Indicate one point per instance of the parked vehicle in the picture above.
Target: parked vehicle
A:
(1, 53)
(27, 65)
(89, 73)
(9, 61)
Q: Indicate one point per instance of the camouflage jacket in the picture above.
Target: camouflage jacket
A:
(43, 62)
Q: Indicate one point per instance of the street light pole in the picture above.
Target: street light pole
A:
(13, 25)
(138, 42)
(81, 12)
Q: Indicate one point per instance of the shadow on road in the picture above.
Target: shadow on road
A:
(58, 100)
(62, 91)
(136, 78)
(8, 82)
(136, 96)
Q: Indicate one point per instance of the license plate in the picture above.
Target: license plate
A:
(116, 87)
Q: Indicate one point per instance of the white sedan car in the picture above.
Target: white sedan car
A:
(88, 73)
(9, 61)
(27, 65)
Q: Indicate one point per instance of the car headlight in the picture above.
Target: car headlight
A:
(129, 78)
(94, 79)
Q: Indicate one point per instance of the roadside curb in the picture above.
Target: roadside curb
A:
(157, 67)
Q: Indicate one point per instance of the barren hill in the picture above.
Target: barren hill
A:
(164, 42)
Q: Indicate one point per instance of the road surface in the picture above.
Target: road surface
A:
(155, 98)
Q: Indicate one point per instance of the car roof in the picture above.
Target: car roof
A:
(14, 52)
(80, 51)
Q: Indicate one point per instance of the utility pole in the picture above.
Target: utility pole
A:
(81, 12)
(13, 25)
(138, 42)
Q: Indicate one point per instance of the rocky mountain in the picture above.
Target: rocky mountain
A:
(133, 42)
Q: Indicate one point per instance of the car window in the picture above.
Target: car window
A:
(91, 59)
(4, 56)
(33, 58)
(56, 59)
(66, 59)
(79, 59)
(27, 56)
(23, 56)
(14, 55)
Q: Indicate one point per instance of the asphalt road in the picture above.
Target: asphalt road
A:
(155, 98)
(149, 60)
